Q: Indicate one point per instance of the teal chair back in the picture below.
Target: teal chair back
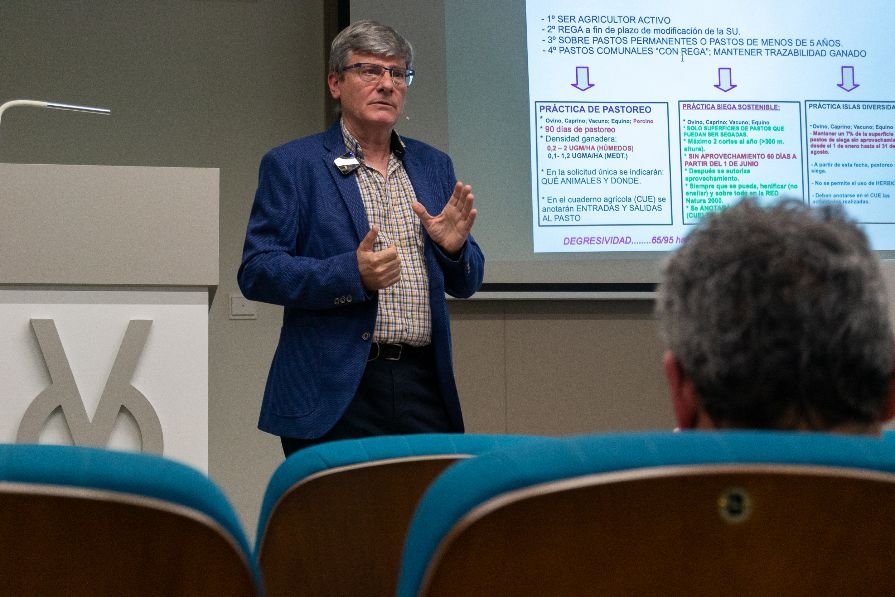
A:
(89, 521)
(734, 513)
(334, 516)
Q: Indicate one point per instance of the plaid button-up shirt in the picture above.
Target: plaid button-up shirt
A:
(404, 314)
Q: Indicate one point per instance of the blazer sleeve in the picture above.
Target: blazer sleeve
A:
(299, 249)
(463, 275)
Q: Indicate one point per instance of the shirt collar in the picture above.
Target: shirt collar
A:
(353, 146)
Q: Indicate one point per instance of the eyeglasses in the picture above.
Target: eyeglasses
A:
(373, 73)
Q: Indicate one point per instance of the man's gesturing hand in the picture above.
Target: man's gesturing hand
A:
(451, 227)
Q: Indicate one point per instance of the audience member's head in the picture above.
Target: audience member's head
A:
(776, 317)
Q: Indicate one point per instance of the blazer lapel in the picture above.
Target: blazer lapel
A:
(346, 184)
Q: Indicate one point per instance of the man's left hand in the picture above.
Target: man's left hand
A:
(451, 227)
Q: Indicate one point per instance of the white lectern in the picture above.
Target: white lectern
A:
(106, 277)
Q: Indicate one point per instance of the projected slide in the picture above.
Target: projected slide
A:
(647, 115)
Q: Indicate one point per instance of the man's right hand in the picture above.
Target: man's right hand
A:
(378, 269)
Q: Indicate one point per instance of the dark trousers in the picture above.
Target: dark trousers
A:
(398, 394)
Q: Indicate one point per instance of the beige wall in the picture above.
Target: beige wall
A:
(208, 83)
(558, 367)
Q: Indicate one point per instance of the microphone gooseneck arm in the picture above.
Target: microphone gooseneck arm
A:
(52, 106)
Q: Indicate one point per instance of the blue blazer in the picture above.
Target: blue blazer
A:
(305, 226)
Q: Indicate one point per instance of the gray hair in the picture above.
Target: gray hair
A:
(779, 316)
(368, 37)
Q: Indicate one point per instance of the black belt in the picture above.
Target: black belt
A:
(395, 352)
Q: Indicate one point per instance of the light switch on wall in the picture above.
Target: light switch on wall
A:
(242, 308)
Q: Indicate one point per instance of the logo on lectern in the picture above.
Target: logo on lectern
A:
(118, 393)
